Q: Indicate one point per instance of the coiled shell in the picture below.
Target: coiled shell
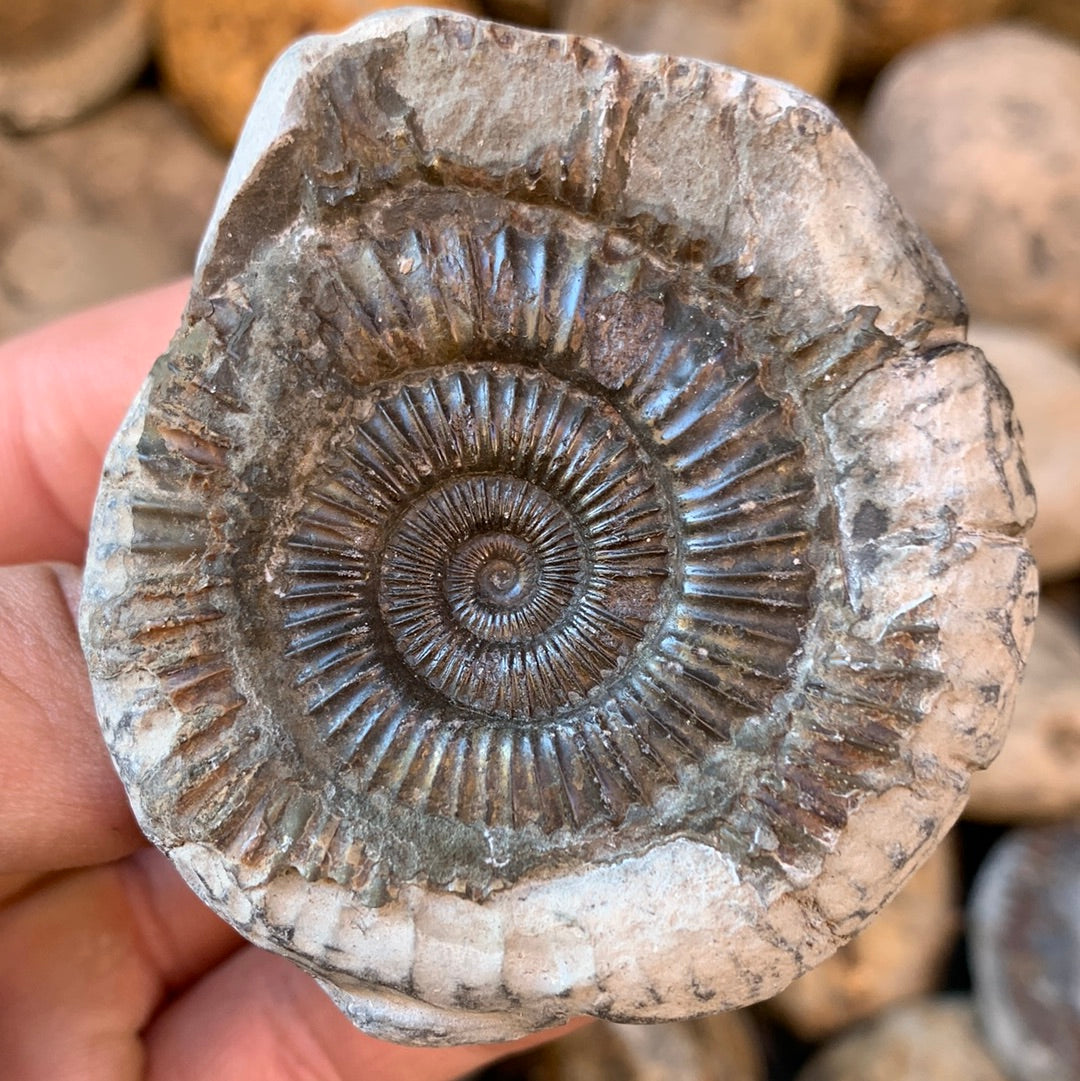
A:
(568, 560)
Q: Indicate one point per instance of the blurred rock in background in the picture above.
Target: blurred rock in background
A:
(1025, 952)
(539, 13)
(111, 204)
(925, 1040)
(795, 40)
(1044, 380)
(876, 30)
(725, 1047)
(58, 59)
(978, 134)
(1061, 16)
(1037, 775)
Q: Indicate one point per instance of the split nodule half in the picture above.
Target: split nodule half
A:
(568, 560)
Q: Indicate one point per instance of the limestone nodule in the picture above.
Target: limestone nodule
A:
(551, 572)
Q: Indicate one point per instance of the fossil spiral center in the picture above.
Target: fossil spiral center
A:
(479, 572)
(513, 538)
(495, 572)
(500, 581)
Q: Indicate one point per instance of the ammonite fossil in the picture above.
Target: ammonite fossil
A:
(568, 560)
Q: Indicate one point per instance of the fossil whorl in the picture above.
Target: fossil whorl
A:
(567, 560)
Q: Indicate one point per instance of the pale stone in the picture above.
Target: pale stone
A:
(795, 40)
(900, 955)
(658, 757)
(925, 1040)
(1024, 949)
(57, 267)
(109, 205)
(139, 164)
(978, 134)
(1044, 381)
(32, 187)
(58, 60)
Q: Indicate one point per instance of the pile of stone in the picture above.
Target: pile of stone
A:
(115, 116)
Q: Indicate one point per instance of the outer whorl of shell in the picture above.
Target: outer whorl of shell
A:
(551, 570)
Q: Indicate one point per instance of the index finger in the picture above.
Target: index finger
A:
(64, 389)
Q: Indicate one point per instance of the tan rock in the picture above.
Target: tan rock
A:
(876, 30)
(934, 1039)
(1037, 774)
(899, 955)
(724, 1047)
(30, 186)
(796, 40)
(1044, 380)
(978, 134)
(59, 59)
(214, 55)
(113, 203)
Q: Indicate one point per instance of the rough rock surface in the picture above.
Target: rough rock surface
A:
(978, 134)
(1037, 774)
(925, 1040)
(901, 954)
(1024, 948)
(545, 576)
(1044, 381)
(58, 60)
(796, 40)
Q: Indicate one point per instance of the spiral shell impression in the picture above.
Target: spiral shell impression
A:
(568, 560)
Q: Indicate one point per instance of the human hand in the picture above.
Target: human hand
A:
(112, 969)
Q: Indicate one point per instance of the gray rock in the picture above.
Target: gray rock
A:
(551, 571)
(1024, 948)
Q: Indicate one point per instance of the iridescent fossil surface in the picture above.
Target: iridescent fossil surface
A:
(568, 560)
